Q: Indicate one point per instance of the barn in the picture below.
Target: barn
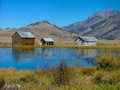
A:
(85, 41)
(21, 38)
(47, 41)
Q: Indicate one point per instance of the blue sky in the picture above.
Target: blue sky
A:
(20, 13)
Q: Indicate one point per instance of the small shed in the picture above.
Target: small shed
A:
(21, 38)
(47, 41)
(85, 41)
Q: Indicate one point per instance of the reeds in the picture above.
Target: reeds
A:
(74, 47)
(87, 71)
(2, 81)
(62, 74)
(107, 62)
(105, 76)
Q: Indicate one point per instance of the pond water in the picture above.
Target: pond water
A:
(21, 59)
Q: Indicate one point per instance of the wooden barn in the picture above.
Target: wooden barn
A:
(47, 41)
(85, 41)
(21, 38)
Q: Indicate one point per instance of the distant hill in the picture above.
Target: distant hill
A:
(104, 24)
(40, 30)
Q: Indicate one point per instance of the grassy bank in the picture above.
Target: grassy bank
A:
(105, 76)
(76, 47)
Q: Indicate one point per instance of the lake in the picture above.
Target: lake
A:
(21, 59)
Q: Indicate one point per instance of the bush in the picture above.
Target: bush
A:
(97, 79)
(114, 78)
(107, 62)
(2, 81)
(62, 74)
(111, 78)
(87, 71)
(28, 78)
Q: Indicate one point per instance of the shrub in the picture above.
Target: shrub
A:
(114, 78)
(107, 62)
(87, 71)
(102, 77)
(43, 71)
(97, 79)
(62, 74)
(28, 78)
(2, 81)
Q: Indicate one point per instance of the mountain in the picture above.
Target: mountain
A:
(104, 24)
(40, 30)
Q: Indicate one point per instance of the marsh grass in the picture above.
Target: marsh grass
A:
(107, 62)
(2, 81)
(111, 78)
(62, 74)
(44, 80)
(87, 70)
(62, 77)
(66, 46)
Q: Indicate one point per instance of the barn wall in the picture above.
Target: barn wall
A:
(47, 43)
(16, 40)
(89, 44)
(79, 42)
(28, 41)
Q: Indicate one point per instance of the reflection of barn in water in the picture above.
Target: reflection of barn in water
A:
(88, 55)
(22, 54)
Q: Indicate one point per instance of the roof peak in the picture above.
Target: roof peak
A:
(25, 34)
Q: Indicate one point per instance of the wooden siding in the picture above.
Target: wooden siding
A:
(28, 41)
(18, 41)
(80, 42)
(47, 43)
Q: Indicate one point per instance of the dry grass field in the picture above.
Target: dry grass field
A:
(109, 42)
(44, 29)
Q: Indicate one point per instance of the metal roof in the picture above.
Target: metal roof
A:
(25, 34)
(90, 39)
(48, 39)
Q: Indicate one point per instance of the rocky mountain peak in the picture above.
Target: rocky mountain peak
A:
(104, 14)
(101, 24)
(38, 23)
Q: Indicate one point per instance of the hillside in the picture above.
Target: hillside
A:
(104, 24)
(40, 30)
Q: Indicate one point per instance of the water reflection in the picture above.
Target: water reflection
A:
(88, 55)
(22, 54)
(52, 57)
(47, 58)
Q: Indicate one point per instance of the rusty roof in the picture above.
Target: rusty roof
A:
(25, 34)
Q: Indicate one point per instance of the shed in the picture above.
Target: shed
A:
(85, 41)
(47, 41)
(21, 38)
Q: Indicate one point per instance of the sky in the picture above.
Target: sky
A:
(20, 13)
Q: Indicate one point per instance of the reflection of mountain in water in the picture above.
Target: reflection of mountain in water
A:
(49, 57)
(87, 55)
(22, 54)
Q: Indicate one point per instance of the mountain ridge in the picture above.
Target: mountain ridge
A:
(96, 19)
(41, 29)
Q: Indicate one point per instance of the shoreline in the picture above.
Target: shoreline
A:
(73, 47)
